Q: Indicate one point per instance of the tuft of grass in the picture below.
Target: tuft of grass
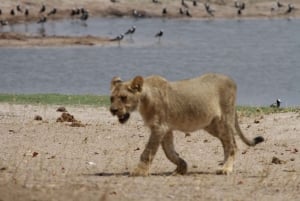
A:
(254, 110)
(55, 99)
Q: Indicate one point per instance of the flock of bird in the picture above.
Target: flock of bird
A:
(83, 14)
(184, 10)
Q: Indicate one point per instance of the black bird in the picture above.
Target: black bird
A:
(73, 12)
(12, 12)
(130, 31)
(164, 11)
(118, 38)
(187, 12)
(52, 12)
(208, 9)
(159, 34)
(3, 23)
(26, 12)
(181, 11)
(239, 5)
(42, 20)
(242, 6)
(195, 3)
(84, 16)
(239, 12)
(276, 104)
(184, 4)
(43, 8)
(279, 5)
(290, 9)
(19, 8)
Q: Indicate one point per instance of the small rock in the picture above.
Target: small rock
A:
(61, 109)
(34, 154)
(38, 118)
(276, 160)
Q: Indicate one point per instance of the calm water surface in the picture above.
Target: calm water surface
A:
(263, 56)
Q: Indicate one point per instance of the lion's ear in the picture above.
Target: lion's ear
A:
(137, 84)
(114, 82)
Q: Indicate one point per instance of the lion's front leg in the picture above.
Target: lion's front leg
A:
(148, 154)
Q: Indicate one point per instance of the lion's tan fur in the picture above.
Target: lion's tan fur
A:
(205, 102)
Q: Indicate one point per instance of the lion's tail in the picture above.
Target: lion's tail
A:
(252, 142)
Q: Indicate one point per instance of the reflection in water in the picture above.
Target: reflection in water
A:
(261, 55)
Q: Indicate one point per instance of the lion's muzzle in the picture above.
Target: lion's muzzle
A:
(122, 117)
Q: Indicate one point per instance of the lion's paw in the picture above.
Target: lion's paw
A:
(138, 171)
(224, 171)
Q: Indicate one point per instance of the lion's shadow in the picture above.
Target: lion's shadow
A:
(111, 174)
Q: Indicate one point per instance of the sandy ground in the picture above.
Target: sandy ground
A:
(124, 8)
(49, 160)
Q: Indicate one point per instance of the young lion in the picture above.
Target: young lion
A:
(206, 102)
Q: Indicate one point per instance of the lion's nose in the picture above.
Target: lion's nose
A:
(113, 111)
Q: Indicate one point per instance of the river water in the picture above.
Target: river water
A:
(262, 56)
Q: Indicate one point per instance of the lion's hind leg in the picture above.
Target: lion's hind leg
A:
(222, 130)
(168, 147)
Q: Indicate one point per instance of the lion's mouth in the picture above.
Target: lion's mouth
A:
(124, 118)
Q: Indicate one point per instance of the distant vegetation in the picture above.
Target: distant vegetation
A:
(94, 100)
(55, 99)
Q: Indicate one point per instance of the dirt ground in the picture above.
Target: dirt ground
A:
(49, 160)
(124, 8)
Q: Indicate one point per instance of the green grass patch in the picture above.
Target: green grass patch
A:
(254, 110)
(55, 99)
(94, 100)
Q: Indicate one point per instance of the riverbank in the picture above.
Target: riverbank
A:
(123, 8)
(46, 159)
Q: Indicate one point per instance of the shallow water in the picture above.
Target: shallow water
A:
(261, 55)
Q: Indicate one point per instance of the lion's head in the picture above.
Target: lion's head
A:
(125, 97)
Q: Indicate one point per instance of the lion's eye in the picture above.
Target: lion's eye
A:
(123, 98)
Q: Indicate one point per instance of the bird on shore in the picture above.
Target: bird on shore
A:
(195, 3)
(19, 9)
(155, 1)
(52, 12)
(184, 4)
(84, 16)
(43, 8)
(118, 38)
(164, 11)
(187, 12)
(42, 20)
(181, 11)
(3, 22)
(279, 5)
(209, 10)
(290, 9)
(12, 12)
(276, 104)
(26, 12)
